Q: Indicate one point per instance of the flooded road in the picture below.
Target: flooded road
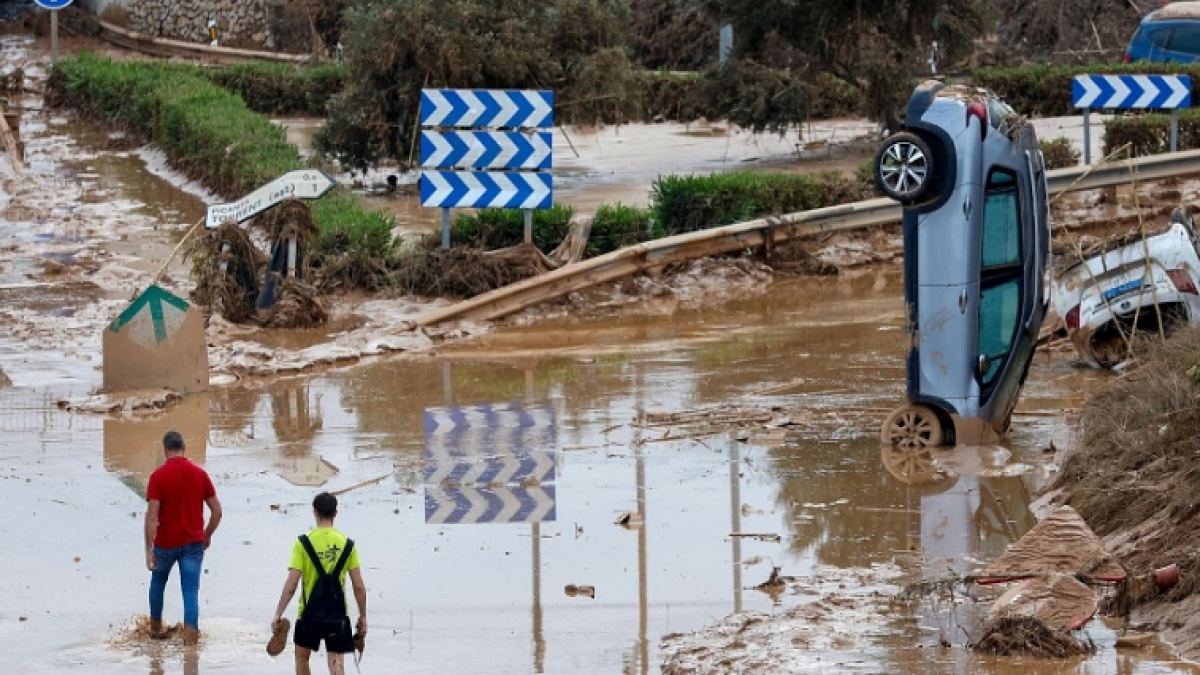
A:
(477, 580)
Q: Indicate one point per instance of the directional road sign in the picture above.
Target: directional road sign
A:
(486, 189)
(486, 150)
(486, 108)
(158, 341)
(152, 318)
(494, 505)
(1159, 92)
(53, 4)
(304, 184)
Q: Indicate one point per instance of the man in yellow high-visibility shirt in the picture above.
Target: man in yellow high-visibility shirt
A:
(327, 545)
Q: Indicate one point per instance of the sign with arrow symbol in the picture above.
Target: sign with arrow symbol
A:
(486, 150)
(157, 342)
(1155, 92)
(486, 189)
(486, 108)
(302, 184)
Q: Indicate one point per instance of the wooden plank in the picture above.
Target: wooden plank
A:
(11, 145)
(167, 47)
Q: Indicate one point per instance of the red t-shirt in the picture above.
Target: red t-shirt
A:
(181, 488)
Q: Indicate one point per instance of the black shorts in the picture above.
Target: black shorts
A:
(341, 642)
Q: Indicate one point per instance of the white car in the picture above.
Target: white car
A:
(1107, 293)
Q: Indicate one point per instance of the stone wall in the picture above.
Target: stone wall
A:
(240, 23)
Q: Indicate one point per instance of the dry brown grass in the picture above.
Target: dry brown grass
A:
(1029, 637)
(1133, 473)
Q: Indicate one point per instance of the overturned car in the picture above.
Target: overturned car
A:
(1140, 283)
(968, 171)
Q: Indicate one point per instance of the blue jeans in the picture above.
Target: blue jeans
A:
(190, 559)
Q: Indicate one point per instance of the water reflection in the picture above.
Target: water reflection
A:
(133, 445)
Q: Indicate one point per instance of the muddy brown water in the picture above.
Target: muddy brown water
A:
(489, 597)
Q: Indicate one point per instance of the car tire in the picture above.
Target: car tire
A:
(913, 427)
(904, 168)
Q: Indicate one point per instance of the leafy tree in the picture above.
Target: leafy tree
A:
(394, 48)
(877, 45)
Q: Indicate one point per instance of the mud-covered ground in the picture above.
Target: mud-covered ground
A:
(805, 367)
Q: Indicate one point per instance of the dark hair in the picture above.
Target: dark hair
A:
(173, 440)
(325, 505)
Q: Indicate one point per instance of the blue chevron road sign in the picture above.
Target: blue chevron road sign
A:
(486, 189)
(489, 464)
(486, 150)
(486, 108)
(1156, 92)
(496, 504)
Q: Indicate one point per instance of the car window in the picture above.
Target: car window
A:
(1185, 39)
(1000, 272)
(1001, 221)
(1160, 37)
(999, 309)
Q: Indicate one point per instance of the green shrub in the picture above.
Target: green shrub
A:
(490, 229)
(864, 175)
(690, 203)
(617, 225)
(210, 135)
(280, 88)
(1150, 134)
(1059, 153)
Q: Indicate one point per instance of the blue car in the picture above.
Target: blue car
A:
(1168, 34)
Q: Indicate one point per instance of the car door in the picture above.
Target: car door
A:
(1156, 43)
(1002, 279)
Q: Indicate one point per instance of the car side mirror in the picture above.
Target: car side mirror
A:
(984, 364)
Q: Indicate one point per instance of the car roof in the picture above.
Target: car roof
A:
(1176, 10)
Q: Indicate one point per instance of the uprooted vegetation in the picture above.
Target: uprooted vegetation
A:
(1133, 475)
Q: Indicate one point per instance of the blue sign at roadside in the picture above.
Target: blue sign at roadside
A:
(1154, 92)
(53, 4)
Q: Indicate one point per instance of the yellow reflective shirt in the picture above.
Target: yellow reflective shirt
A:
(329, 544)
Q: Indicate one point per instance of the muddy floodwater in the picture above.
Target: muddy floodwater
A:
(490, 593)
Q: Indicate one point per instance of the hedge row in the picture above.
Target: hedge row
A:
(210, 135)
(279, 88)
(679, 204)
(1150, 134)
(1044, 90)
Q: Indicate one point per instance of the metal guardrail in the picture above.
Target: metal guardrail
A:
(854, 216)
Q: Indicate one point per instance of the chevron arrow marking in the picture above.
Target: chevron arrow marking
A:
(1182, 92)
(1085, 91)
(1149, 91)
(1120, 92)
(478, 189)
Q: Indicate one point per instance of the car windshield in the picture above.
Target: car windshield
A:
(1000, 281)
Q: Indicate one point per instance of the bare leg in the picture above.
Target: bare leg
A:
(302, 655)
(337, 664)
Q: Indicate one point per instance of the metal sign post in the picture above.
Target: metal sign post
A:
(53, 6)
(1130, 92)
(478, 151)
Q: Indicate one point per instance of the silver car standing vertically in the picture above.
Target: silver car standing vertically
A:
(976, 244)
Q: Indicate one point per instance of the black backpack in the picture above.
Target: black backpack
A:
(325, 610)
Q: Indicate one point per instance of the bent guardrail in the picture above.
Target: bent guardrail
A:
(842, 218)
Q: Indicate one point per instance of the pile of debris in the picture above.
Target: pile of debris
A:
(235, 279)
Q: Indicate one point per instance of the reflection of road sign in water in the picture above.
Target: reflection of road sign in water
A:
(158, 341)
(53, 4)
(302, 184)
(489, 504)
(489, 464)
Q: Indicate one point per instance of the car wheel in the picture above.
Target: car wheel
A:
(912, 427)
(904, 167)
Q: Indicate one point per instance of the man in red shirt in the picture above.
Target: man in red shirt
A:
(175, 532)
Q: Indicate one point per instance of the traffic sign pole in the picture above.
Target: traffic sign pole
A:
(1174, 128)
(445, 228)
(528, 226)
(1087, 137)
(54, 36)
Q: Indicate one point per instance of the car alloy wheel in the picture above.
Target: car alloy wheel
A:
(912, 427)
(904, 167)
